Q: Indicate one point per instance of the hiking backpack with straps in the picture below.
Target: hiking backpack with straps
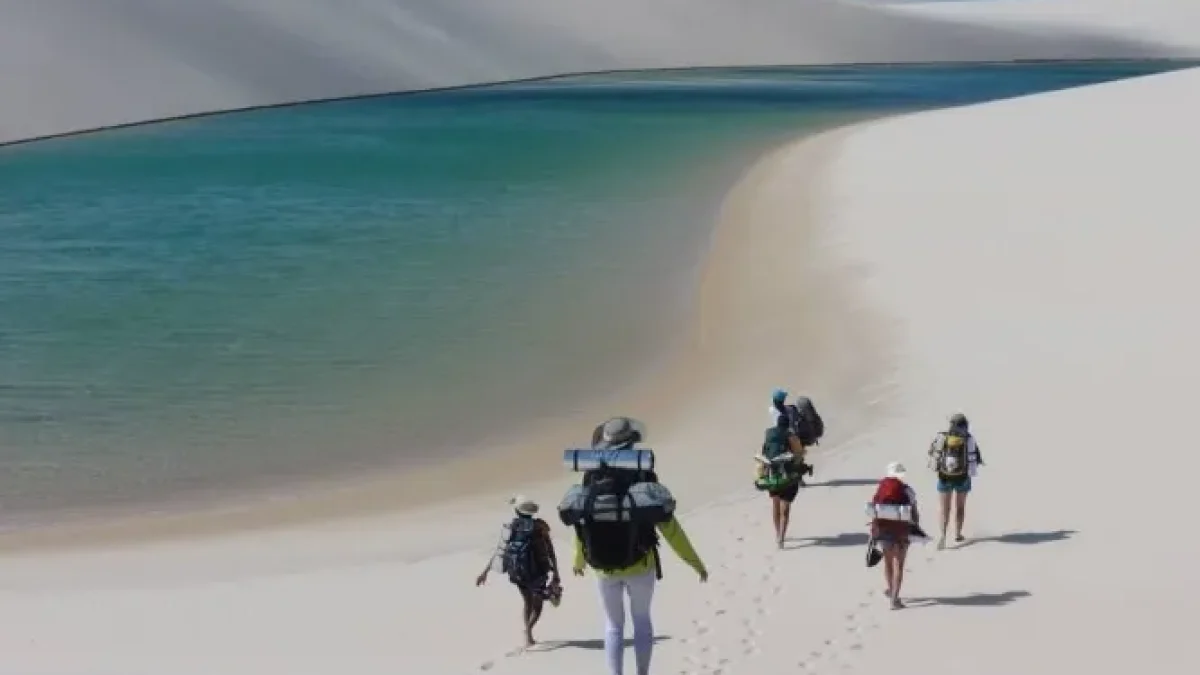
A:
(952, 455)
(778, 474)
(805, 421)
(521, 559)
(614, 513)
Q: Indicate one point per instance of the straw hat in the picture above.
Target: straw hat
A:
(896, 470)
(524, 505)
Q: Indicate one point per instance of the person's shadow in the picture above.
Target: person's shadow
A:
(844, 482)
(555, 645)
(1022, 538)
(972, 600)
(839, 540)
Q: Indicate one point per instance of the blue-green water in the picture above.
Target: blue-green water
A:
(239, 300)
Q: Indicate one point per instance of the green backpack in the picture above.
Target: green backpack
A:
(778, 476)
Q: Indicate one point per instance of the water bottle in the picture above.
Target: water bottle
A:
(586, 459)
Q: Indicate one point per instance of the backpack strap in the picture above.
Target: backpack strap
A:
(657, 562)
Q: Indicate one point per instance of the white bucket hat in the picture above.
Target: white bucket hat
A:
(896, 470)
(524, 505)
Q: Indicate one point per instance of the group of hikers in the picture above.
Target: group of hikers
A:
(895, 522)
(619, 511)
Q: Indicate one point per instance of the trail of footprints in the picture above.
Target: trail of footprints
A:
(738, 637)
(719, 644)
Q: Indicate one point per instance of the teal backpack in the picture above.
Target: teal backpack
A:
(781, 475)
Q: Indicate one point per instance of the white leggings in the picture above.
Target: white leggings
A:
(641, 591)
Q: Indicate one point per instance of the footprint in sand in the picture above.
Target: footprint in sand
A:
(487, 665)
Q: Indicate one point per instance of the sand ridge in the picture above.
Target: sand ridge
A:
(70, 65)
(1055, 230)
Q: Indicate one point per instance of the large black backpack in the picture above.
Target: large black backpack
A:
(522, 558)
(806, 423)
(615, 513)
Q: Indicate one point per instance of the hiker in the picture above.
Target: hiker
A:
(618, 510)
(526, 552)
(955, 457)
(780, 473)
(804, 421)
(894, 518)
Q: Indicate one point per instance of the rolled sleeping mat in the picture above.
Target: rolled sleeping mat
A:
(782, 458)
(898, 512)
(587, 459)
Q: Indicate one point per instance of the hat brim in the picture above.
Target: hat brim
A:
(637, 431)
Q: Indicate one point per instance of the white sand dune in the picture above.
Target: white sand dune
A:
(68, 65)
(1029, 261)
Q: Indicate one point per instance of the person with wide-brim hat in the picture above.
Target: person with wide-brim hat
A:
(538, 580)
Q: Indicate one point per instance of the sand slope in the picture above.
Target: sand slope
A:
(76, 64)
(1169, 22)
(1068, 275)
(1055, 232)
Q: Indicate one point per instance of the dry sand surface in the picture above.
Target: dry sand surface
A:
(67, 65)
(1029, 261)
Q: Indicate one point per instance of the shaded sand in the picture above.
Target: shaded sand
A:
(1068, 275)
(68, 65)
(1167, 22)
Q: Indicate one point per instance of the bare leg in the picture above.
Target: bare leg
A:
(898, 573)
(784, 517)
(889, 555)
(944, 498)
(777, 516)
(535, 614)
(529, 614)
(961, 503)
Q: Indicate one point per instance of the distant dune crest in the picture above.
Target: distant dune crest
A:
(68, 65)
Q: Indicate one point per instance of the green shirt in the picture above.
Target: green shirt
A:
(672, 531)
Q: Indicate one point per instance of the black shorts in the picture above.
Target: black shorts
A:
(787, 494)
(535, 587)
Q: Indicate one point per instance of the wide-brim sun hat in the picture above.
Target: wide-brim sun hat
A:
(619, 431)
(524, 505)
(896, 470)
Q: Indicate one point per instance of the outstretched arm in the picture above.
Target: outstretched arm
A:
(579, 561)
(492, 558)
(673, 532)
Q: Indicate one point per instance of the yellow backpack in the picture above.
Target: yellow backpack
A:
(952, 459)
